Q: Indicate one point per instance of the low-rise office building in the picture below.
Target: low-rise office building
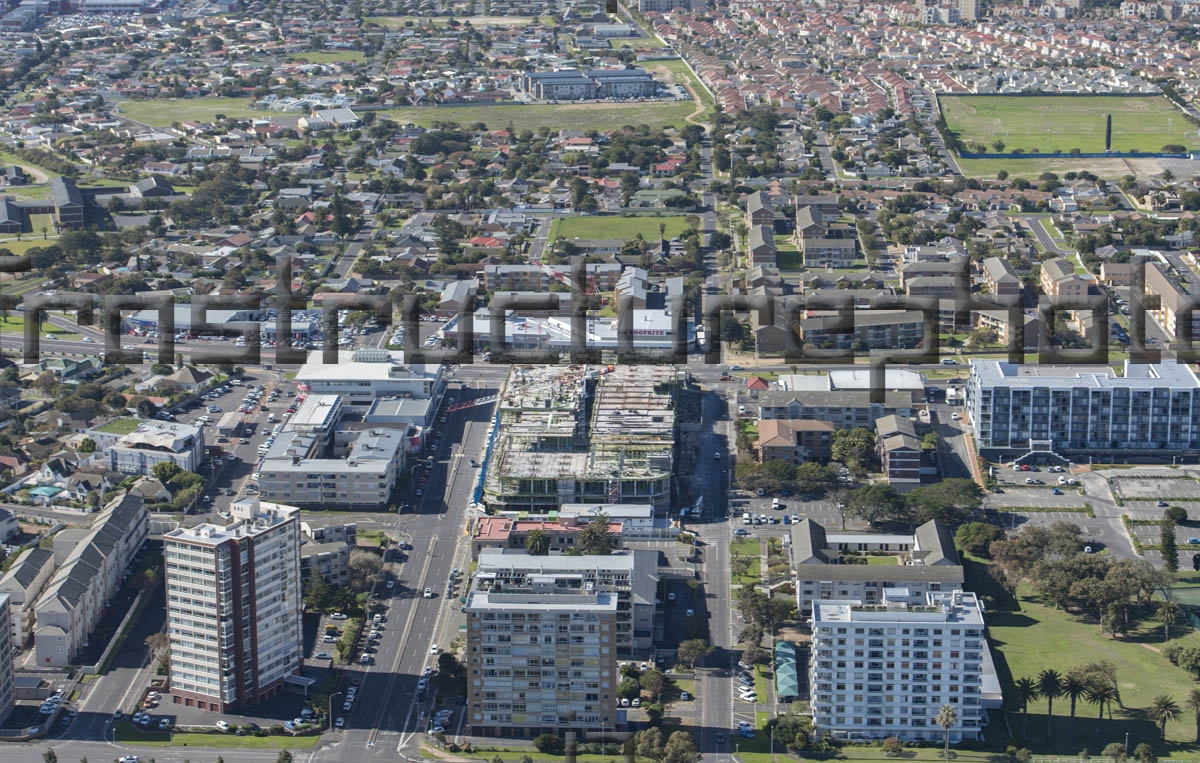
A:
(155, 442)
(362, 376)
(299, 471)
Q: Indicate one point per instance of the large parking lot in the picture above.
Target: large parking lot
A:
(1165, 488)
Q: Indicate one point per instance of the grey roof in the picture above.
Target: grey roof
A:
(10, 212)
(761, 235)
(1058, 269)
(27, 567)
(80, 569)
(935, 539)
(999, 270)
(758, 201)
(851, 398)
(886, 426)
(807, 216)
(808, 540)
(64, 191)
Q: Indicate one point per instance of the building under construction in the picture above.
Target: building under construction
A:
(583, 434)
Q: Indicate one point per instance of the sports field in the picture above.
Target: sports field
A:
(608, 226)
(1061, 123)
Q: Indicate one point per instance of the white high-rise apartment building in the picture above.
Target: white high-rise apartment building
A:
(880, 670)
(234, 606)
(541, 660)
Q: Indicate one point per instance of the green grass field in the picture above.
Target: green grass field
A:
(1030, 169)
(680, 73)
(162, 113)
(560, 116)
(329, 57)
(1061, 123)
(396, 22)
(1037, 637)
(637, 42)
(603, 226)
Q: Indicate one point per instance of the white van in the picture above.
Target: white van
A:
(775, 504)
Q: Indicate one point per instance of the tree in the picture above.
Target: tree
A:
(1164, 708)
(165, 471)
(317, 593)
(284, 757)
(1073, 687)
(1026, 692)
(648, 744)
(595, 538)
(653, 682)
(87, 445)
(951, 501)
(680, 748)
(1114, 750)
(976, 537)
(49, 756)
(1176, 514)
(1193, 703)
(1144, 753)
(1168, 614)
(1050, 687)
(1101, 695)
(548, 744)
(875, 503)
(731, 329)
(947, 717)
(628, 688)
(537, 542)
(692, 651)
(1170, 552)
(892, 747)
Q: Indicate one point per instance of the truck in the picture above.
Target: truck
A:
(229, 424)
(954, 396)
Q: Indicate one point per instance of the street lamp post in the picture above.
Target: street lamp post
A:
(330, 708)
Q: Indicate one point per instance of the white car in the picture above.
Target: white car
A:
(391, 584)
(340, 723)
(223, 725)
(434, 649)
(428, 593)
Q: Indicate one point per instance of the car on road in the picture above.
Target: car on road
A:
(340, 723)
(428, 593)
(129, 759)
(322, 656)
(391, 584)
(747, 733)
(1193, 541)
(223, 725)
(741, 531)
(434, 649)
(338, 616)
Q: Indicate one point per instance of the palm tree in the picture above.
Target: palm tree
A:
(1073, 688)
(537, 543)
(1193, 703)
(947, 717)
(1049, 686)
(1103, 694)
(1027, 691)
(1168, 614)
(1164, 708)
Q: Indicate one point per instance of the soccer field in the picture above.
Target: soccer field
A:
(610, 226)
(1060, 123)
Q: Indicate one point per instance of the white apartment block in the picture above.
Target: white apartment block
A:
(630, 574)
(154, 442)
(540, 660)
(880, 670)
(234, 607)
(88, 575)
(298, 471)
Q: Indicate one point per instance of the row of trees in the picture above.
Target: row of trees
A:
(1096, 682)
(1115, 592)
(951, 501)
(594, 538)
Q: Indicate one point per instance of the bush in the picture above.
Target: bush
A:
(1176, 514)
(278, 729)
(548, 744)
